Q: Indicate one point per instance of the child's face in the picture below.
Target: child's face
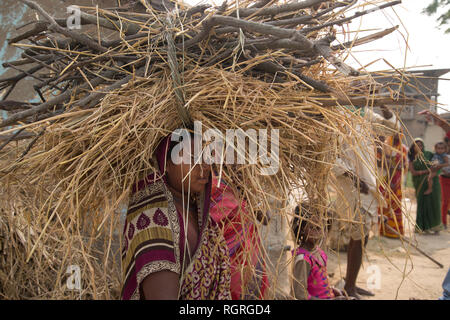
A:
(313, 229)
(440, 149)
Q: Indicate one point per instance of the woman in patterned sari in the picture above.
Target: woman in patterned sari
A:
(171, 247)
(248, 273)
(393, 163)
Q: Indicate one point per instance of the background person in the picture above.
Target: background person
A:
(248, 271)
(310, 277)
(428, 217)
(392, 162)
(357, 193)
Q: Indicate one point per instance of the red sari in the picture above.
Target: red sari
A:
(393, 162)
(248, 275)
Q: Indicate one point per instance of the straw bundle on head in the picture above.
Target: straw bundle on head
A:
(107, 121)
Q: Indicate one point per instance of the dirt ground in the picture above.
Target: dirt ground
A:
(402, 272)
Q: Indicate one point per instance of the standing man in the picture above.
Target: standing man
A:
(358, 197)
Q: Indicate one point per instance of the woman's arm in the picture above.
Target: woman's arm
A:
(161, 285)
(441, 122)
(416, 172)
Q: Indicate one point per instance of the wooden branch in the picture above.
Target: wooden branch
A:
(8, 139)
(306, 18)
(21, 62)
(31, 144)
(9, 105)
(194, 10)
(363, 40)
(39, 27)
(249, 26)
(129, 28)
(404, 238)
(271, 67)
(60, 99)
(271, 11)
(261, 3)
(361, 101)
(94, 98)
(356, 15)
(323, 47)
(54, 26)
(292, 21)
(19, 135)
(21, 75)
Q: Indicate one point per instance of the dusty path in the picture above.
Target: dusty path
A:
(404, 272)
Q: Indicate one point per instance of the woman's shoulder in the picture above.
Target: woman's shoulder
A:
(428, 154)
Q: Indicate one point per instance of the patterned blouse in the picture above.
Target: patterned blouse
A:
(154, 240)
(317, 284)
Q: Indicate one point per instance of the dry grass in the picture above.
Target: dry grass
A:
(61, 203)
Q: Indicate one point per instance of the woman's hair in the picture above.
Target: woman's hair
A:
(412, 150)
(298, 224)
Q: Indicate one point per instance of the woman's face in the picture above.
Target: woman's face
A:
(187, 177)
(419, 146)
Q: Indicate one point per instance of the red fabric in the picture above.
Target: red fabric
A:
(445, 199)
(394, 164)
(448, 134)
(243, 242)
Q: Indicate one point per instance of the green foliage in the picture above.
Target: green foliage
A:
(433, 7)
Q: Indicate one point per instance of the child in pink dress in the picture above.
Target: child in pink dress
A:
(310, 261)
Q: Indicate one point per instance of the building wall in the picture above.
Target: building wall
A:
(432, 135)
(14, 14)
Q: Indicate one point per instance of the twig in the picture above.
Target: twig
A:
(10, 138)
(363, 40)
(21, 62)
(249, 26)
(323, 47)
(414, 245)
(9, 105)
(55, 101)
(54, 26)
(40, 26)
(271, 11)
(356, 15)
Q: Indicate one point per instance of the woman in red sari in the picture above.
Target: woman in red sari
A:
(392, 161)
(248, 275)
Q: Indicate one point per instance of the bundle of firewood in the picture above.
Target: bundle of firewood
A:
(133, 74)
(271, 40)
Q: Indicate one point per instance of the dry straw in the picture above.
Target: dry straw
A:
(63, 194)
